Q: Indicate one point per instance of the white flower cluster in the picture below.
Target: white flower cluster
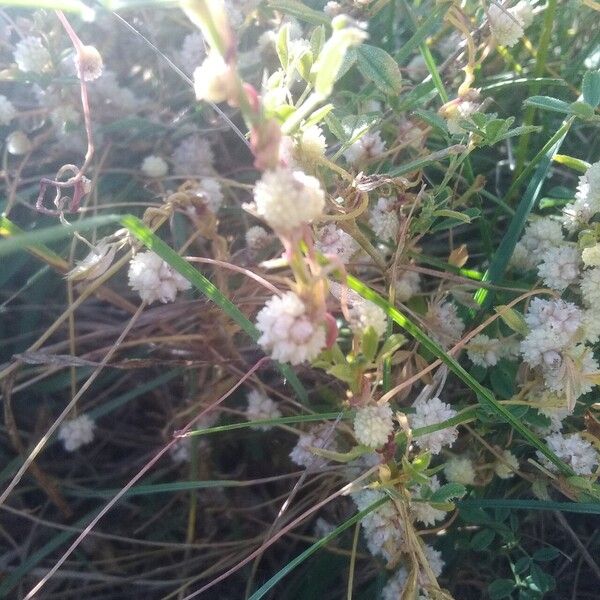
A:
(193, 51)
(365, 314)
(7, 110)
(408, 284)
(317, 437)
(508, 25)
(445, 324)
(215, 80)
(587, 200)
(193, 156)
(287, 199)
(420, 508)
(209, 190)
(539, 237)
(287, 331)
(261, 407)
(306, 148)
(463, 109)
(384, 220)
(373, 425)
(396, 584)
(76, 432)
(154, 279)
(368, 146)
(333, 241)
(506, 467)
(486, 352)
(31, 55)
(432, 412)
(460, 469)
(382, 527)
(560, 267)
(578, 453)
(257, 238)
(154, 167)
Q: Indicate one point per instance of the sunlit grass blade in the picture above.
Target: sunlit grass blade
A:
(260, 593)
(32, 240)
(206, 287)
(506, 248)
(587, 508)
(484, 395)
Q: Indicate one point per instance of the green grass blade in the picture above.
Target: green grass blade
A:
(32, 239)
(484, 395)
(260, 593)
(421, 34)
(206, 287)
(587, 508)
(484, 297)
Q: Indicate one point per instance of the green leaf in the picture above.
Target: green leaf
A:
(206, 287)
(335, 126)
(298, 9)
(522, 565)
(378, 66)
(370, 341)
(548, 103)
(482, 539)
(573, 163)
(513, 318)
(501, 588)
(582, 109)
(450, 491)
(283, 40)
(546, 554)
(591, 88)
(391, 344)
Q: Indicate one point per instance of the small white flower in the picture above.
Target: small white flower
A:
(215, 80)
(435, 560)
(407, 285)
(462, 111)
(484, 351)
(382, 527)
(193, 156)
(384, 220)
(373, 425)
(181, 451)
(334, 241)
(460, 469)
(523, 10)
(540, 235)
(590, 287)
(17, 143)
(368, 146)
(88, 63)
(506, 25)
(257, 237)
(193, 51)
(31, 55)
(76, 432)
(317, 437)
(578, 453)
(542, 346)
(420, 507)
(560, 267)
(559, 316)
(287, 199)
(287, 331)
(365, 314)
(209, 189)
(591, 256)
(432, 412)
(322, 528)
(445, 324)
(7, 110)
(154, 166)
(261, 407)
(312, 142)
(587, 199)
(332, 8)
(506, 468)
(591, 324)
(154, 279)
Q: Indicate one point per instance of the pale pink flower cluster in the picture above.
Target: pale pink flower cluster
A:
(154, 279)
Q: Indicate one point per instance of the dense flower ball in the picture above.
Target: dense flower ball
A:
(287, 331)
(193, 156)
(209, 190)
(590, 287)
(317, 437)
(484, 351)
(564, 318)
(540, 236)
(257, 237)
(587, 199)
(506, 25)
(368, 146)
(373, 425)
(31, 55)
(420, 507)
(287, 199)
(154, 279)
(332, 240)
(506, 467)
(89, 63)
(578, 453)
(17, 143)
(407, 285)
(384, 220)
(560, 267)
(154, 166)
(460, 470)
(192, 51)
(261, 407)
(7, 110)
(76, 433)
(365, 314)
(431, 412)
(445, 324)
(215, 80)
